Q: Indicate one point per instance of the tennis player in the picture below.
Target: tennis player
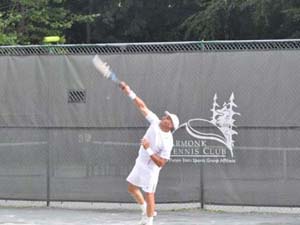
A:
(154, 152)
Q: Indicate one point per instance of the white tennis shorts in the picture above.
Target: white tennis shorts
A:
(144, 178)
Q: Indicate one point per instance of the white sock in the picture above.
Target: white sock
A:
(143, 208)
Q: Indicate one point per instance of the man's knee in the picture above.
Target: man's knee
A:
(150, 197)
(132, 189)
(150, 194)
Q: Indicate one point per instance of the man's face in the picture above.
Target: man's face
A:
(166, 121)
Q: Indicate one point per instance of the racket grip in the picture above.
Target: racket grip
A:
(114, 78)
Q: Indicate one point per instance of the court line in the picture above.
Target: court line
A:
(235, 147)
(201, 156)
(115, 143)
(24, 143)
(266, 148)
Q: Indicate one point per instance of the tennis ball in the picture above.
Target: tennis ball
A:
(50, 39)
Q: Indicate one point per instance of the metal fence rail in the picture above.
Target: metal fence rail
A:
(163, 47)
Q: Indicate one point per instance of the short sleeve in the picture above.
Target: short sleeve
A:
(152, 117)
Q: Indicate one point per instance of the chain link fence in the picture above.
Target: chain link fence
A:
(164, 47)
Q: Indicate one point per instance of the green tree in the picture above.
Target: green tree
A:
(7, 36)
(91, 21)
(219, 19)
(131, 20)
(35, 19)
(243, 19)
(291, 19)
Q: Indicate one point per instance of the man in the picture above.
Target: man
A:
(155, 151)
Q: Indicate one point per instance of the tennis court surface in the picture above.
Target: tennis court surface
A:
(65, 216)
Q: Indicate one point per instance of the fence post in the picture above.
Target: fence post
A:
(284, 165)
(202, 198)
(48, 174)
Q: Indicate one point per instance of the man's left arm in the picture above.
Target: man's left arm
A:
(159, 161)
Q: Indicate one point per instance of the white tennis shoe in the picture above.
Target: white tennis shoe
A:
(149, 221)
(144, 219)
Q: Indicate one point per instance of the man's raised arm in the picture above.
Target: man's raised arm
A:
(140, 104)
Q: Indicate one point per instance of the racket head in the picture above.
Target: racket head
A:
(102, 67)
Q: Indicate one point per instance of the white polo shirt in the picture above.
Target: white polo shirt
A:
(145, 172)
(160, 142)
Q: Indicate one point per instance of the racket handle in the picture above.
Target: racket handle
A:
(114, 78)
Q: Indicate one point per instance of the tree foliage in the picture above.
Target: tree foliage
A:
(28, 21)
(243, 19)
(91, 21)
(7, 37)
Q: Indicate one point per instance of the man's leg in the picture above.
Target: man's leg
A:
(139, 198)
(136, 193)
(150, 199)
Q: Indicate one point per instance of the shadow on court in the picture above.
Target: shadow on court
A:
(59, 216)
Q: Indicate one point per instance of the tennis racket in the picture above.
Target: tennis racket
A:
(104, 69)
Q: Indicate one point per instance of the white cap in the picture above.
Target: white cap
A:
(174, 119)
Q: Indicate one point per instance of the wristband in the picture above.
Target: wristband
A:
(132, 95)
(150, 151)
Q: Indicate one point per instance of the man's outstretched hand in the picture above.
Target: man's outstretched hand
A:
(124, 87)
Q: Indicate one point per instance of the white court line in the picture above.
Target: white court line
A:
(200, 156)
(235, 148)
(115, 143)
(24, 143)
(266, 148)
(137, 144)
